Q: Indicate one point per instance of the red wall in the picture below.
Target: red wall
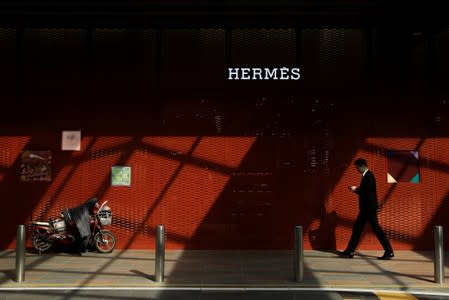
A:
(238, 191)
(224, 164)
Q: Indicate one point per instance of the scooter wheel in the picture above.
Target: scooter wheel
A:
(104, 241)
(40, 245)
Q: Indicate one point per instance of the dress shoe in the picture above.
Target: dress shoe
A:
(345, 254)
(387, 256)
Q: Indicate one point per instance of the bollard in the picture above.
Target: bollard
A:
(20, 254)
(439, 254)
(299, 254)
(160, 253)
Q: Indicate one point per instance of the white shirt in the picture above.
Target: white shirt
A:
(364, 172)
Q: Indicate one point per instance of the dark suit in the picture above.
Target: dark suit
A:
(368, 206)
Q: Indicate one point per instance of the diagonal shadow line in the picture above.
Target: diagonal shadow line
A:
(58, 191)
(100, 193)
(184, 160)
(369, 147)
(61, 187)
(6, 253)
(128, 225)
(419, 276)
(349, 223)
(144, 220)
(433, 165)
(37, 262)
(143, 275)
(138, 145)
(40, 294)
(398, 282)
(390, 191)
(63, 184)
(436, 217)
(80, 272)
(392, 274)
(45, 258)
(362, 254)
(187, 159)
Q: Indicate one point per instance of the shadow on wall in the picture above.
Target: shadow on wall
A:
(279, 182)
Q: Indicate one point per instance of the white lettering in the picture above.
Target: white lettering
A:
(284, 73)
(295, 74)
(257, 72)
(271, 74)
(245, 73)
(233, 71)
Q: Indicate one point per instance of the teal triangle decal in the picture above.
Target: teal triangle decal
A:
(415, 179)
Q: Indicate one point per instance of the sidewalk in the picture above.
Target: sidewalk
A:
(409, 270)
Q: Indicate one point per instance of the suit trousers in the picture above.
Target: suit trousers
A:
(371, 218)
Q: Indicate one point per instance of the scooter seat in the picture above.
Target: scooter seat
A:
(41, 223)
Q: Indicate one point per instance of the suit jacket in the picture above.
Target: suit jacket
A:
(367, 193)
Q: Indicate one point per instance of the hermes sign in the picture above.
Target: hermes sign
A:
(283, 73)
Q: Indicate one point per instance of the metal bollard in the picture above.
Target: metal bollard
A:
(299, 254)
(160, 253)
(439, 254)
(20, 254)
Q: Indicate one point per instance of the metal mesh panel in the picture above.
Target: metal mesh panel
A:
(418, 65)
(230, 186)
(404, 206)
(65, 191)
(318, 137)
(8, 64)
(226, 152)
(332, 57)
(401, 57)
(7, 47)
(52, 66)
(250, 197)
(440, 167)
(124, 66)
(264, 116)
(193, 58)
(116, 46)
(17, 201)
(53, 47)
(263, 47)
(105, 153)
(203, 115)
(442, 48)
(284, 160)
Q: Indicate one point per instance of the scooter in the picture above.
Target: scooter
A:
(55, 231)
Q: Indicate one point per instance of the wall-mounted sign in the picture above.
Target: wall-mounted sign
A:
(121, 176)
(35, 166)
(403, 166)
(71, 140)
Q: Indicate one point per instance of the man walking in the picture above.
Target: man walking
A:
(368, 206)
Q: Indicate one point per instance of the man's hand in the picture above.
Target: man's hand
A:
(352, 188)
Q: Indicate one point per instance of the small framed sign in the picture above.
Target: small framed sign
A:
(35, 166)
(71, 140)
(121, 176)
(403, 166)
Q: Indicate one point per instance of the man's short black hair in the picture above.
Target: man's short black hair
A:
(361, 162)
